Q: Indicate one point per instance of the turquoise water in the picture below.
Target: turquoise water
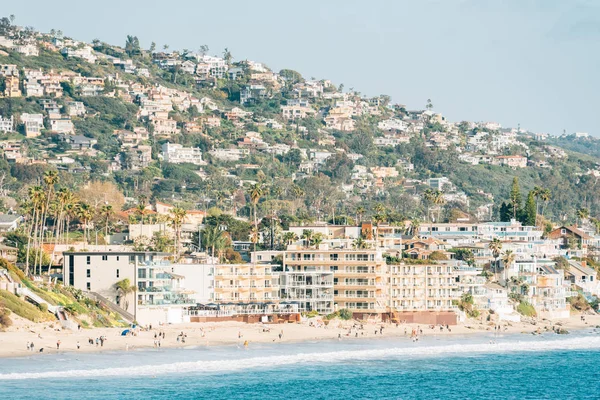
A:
(515, 367)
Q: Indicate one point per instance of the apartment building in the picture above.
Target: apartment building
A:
(159, 296)
(177, 154)
(245, 283)
(358, 275)
(420, 287)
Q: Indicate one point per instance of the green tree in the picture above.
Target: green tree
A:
(515, 197)
(529, 213)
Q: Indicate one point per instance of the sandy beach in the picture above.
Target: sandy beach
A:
(13, 342)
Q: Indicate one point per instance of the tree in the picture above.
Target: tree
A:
(582, 214)
(508, 258)
(307, 235)
(177, 217)
(106, 211)
(124, 288)
(545, 196)
(360, 211)
(529, 213)
(317, 239)
(213, 238)
(85, 214)
(515, 197)
(152, 47)
(429, 105)
(290, 237)
(255, 192)
(227, 56)
(203, 50)
(495, 247)
(132, 46)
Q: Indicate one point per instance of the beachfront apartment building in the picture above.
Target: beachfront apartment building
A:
(358, 275)
(422, 287)
(311, 290)
(245, 283)
(159, 296)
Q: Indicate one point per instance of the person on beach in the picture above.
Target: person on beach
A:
(97, 342)
(28, 348)
(58, 345)
(78, 345)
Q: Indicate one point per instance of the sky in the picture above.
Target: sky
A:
(528, 62)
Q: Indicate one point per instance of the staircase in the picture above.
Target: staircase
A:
(58, 311)
(128, 317)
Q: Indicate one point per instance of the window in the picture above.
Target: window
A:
(117, 273)
(89, 286)
(141, 274)
(88, 260)
(132, 259)
(89, 273)
(104, 257)
(563, 231)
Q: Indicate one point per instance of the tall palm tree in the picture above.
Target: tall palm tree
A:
(106, 211)
(495, 247)
(428, 196)
(85, 213)
(360, 211)
(545, 196)
(508, 258)
(50, 179)
(255, 191)
(439, 200)
(177, 218)
(582, 214)
(124, 287)
(37, 198)
(298, 195)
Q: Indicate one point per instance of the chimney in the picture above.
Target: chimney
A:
(584, 263)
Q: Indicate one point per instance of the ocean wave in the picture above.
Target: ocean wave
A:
(417, 350)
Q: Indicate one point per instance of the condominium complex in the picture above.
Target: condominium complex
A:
(358, 275)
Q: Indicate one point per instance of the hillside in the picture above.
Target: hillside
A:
(79, 309)
(318, 149)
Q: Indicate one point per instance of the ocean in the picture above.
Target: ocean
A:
(469, 367)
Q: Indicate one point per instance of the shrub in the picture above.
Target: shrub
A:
(311, 314)
(345, 314)
(5, 320)
(43, 307)
(526, 309)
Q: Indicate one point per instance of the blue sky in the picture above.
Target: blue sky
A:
(533, 62)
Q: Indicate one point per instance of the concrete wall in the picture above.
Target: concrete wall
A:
(198, 279)
(425, 317)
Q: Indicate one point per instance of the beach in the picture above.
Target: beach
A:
(14, 341)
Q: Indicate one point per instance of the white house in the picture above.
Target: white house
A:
(177, 154)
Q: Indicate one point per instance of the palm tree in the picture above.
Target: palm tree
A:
(545, 196)
(37, 198)
(439, 200)
(85, 215)
(360, 211)
(360, 243)
(290, 237)
(140, 210)
(582, 214)
(495, 246)
(508, 258)
(307, 235)
(50, 179)
(379, 215)
(106, 211)
(124, 288)
(298, 195)
(428, 196)
(317, 239)
(177, 217)
(213, 238)
(415, 224)
(256, 191)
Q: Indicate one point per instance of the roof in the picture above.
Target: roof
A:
(9, 218)
(585, 269)
(576, 231)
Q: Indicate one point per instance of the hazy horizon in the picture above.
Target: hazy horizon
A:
(527, 62)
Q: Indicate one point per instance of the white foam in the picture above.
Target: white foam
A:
(417, 350)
